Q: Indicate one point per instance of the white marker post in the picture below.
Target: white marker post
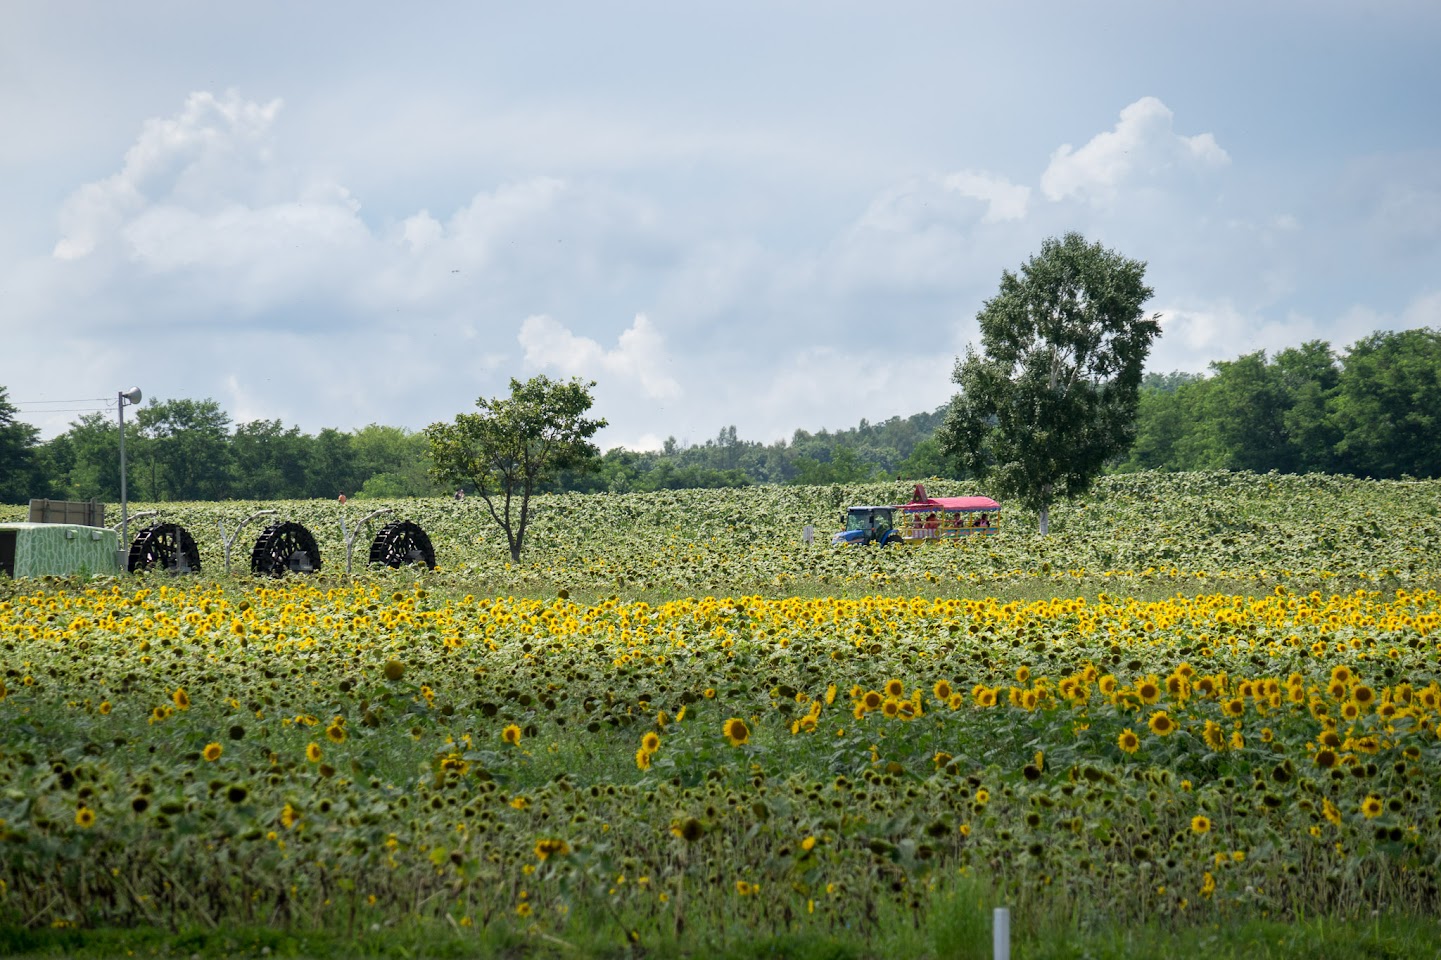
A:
(1001, 934)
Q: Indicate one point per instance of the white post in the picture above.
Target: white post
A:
(1001, 934)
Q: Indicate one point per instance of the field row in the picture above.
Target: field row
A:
(368, 752)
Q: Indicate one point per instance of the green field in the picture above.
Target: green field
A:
(1201, 716)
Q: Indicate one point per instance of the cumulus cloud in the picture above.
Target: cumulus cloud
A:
(181, 158)
(639, 355)
(1142, 146)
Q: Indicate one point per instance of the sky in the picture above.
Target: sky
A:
(775, 215)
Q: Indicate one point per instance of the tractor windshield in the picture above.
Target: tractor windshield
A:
(858, 520)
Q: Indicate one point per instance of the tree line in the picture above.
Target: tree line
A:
(1372, 411)
(1369, 411)
(190, 450)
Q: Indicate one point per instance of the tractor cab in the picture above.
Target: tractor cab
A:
(867, 525)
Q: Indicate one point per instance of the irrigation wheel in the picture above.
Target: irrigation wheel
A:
(164, 546)
(285, 548)
(400, 544)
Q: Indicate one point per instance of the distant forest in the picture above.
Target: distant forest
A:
(1371, 411)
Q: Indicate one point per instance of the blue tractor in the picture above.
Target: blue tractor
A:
(868, 525)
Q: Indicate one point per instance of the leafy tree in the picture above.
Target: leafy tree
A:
(1164, 418)
(1310, 376)
(841, 465)
(269, 461)
(1388, 405)
(330, 466)
(92, 448)
(393, 462)
(1244, 413)
(185, 451)
(514, 445)
(927, 459)
(1053, 395)
(19, 477)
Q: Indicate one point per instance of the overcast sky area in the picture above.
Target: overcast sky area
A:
(776, 215)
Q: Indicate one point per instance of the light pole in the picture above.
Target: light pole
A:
(131, 396)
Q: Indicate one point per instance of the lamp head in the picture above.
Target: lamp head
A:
(133, 395)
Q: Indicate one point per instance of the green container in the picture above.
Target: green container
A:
(57, 549)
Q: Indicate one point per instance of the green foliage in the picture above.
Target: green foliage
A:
(1053, 395)
(184, 451)
(1387, 405)
(19, 474)
(515, 445)
(1369, 412)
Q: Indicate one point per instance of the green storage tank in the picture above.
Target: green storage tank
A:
(57, 549)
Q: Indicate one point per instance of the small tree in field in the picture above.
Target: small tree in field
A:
(1054, 393)
(514, 445)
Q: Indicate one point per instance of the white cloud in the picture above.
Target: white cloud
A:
(835, 388)
(184, 158)
(639, 356)
(1196, 334)
(1142, 146)
(954, 200)
(1004, 200)
(1424, 311)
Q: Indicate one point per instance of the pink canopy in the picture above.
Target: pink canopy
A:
(950, 504)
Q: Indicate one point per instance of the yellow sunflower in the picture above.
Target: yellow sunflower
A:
(736, 731)
(1161, 724)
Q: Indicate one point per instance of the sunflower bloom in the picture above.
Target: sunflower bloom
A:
(181, 698)
(212, 752)
(1128, 741)
(511, 735)
(312, 752)
(1148, 690)
(1372, 807)
(85, 818)
(736, 731)
(1161, 724)
(1200, 824)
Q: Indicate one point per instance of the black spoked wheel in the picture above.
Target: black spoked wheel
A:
(402, 544)
(164, 546)
(285, 548)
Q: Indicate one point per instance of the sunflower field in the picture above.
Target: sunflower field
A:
(1203, 699)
